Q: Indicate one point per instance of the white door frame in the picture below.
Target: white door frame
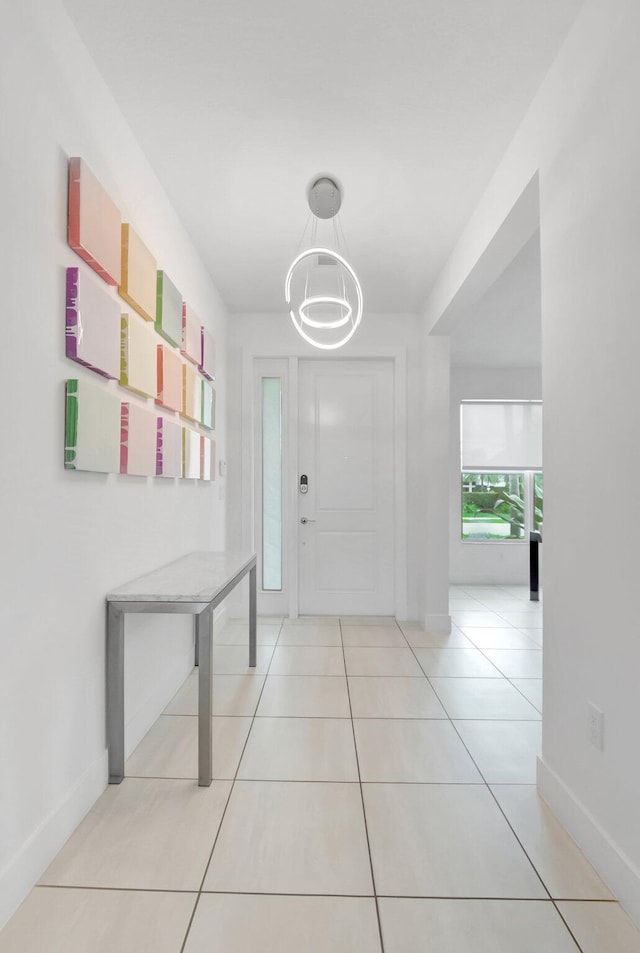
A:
(290, 464)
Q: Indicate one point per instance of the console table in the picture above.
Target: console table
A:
(194, 584)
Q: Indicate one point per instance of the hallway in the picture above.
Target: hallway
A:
(374, 791)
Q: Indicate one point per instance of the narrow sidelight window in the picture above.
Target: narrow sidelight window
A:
(271, 484)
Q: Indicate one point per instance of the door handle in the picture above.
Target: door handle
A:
(303, 520)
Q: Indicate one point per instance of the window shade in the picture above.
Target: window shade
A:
(501, 436)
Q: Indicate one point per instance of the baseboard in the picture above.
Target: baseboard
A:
(34, 856)
(438, 624)
(611, 863)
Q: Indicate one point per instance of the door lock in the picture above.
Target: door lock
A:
(303, 520)
(304, 483)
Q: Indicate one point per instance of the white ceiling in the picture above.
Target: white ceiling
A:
(503, 328)
(239, 104)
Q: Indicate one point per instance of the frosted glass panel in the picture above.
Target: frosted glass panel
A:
(271, 483)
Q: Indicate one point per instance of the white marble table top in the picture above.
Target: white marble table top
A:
(197, 577)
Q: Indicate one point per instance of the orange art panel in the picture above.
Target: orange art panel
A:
(94, 224)
(139, 275)
(169, 379)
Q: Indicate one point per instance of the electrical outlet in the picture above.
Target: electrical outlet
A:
(595, 726)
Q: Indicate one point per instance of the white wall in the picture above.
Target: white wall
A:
(582, 134)
(275, 334)
(485, 563)
(67, 537)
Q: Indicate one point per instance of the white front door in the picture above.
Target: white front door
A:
(346, 452)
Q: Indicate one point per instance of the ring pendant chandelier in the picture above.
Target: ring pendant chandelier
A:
(322, 290)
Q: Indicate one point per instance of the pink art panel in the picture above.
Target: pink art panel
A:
(191, 393)
(169, 378)
(139, 275)
(207, 365)
(191, 346)
(138, 356)
(190, 454)
(168, 448)
(94, 223)
(138, 440)
(92, 332)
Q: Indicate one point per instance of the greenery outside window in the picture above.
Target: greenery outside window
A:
(538, 500)
(501, 506)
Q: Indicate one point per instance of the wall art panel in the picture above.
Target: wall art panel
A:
(92, 332)
(92, 427)
(207, 459)
(191, 393)
(94, 223)
(191, 343)
(190, 454)
(168, 310)
(207, 365)
(138, 440)
(168, 448)
(139, 276)
(138, 356)
(208, 406)
(169, 378)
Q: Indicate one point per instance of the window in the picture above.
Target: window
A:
(271, 484)
(493, 506)
(501, 450)
(538, 499)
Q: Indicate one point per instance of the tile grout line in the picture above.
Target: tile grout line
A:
(364, 812)
(349, 896)
(499, 806)
(233, 782)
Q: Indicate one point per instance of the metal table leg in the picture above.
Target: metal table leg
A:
(115, 693)
(252, 617)
(204, 640)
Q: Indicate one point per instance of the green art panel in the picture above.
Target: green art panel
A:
(92, 428)
(168, 310)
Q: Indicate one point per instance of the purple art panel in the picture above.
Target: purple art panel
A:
(92, 331)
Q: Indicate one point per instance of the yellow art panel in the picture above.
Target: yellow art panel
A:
(139, 275)
(138, 356)
(191, 393)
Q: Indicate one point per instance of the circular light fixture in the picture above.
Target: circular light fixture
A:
(322, 290)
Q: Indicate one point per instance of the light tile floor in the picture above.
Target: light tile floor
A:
(374, 792)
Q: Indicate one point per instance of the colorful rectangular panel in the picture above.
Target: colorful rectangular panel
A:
(138, 440)
(207, 459)
(139, 276)
(94, 223)
(92, 428)
(168, 310)
(190, 454)
(191, 393)
(207, 365)
(169, 378)
(208, 406)
(92, 330)
(138, 356)
(190, 346)
(168, 448)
